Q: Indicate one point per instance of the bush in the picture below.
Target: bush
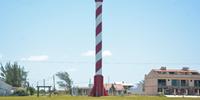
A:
(20, 92)
(42, 91)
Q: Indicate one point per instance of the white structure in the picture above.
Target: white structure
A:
(5, 89)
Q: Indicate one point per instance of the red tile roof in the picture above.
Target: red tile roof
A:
(174, 70)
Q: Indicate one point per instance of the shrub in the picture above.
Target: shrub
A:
(20, 92)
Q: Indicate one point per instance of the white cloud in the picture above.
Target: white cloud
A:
(90, 53)
(36, 58)
(106, 53)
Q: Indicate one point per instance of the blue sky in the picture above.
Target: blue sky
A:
(48, 36)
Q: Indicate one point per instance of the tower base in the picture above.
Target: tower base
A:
(98, 88)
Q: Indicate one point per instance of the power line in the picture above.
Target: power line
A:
(121, 62)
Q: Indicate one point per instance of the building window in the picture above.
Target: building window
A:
(172, 73)
(197, 83)
(161, 82)
(195, 73)
(175, 82)
(163, 72)
(184, 83)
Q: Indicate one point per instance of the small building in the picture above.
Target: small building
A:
(127, 87)
(81, 91)
(172, 82)
(114, 89)
(5, 89)
(118, 88)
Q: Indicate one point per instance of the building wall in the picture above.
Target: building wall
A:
(169, 82)
(150, 87)
(191, 83)
(150, 84)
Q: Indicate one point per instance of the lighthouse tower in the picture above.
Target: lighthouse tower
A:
(98, 88)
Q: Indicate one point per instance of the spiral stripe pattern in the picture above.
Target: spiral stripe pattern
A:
(98, 39)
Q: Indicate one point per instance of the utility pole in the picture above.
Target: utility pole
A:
(108, 80)
(37, 83)
(44, 84)
(54, 84)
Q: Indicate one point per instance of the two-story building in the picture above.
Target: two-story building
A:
(172, 82)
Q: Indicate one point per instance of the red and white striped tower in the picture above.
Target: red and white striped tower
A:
(98, 88)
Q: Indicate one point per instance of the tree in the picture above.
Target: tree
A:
(66, 81)
(141, 85)
(13, 74)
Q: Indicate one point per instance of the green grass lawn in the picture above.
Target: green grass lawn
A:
(95, 98)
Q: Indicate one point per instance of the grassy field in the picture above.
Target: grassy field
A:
(95, 98)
